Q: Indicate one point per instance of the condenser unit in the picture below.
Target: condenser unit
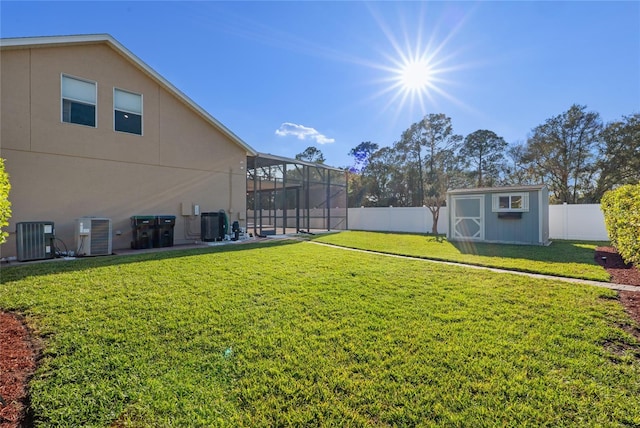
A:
(93, 236)
(34, 240)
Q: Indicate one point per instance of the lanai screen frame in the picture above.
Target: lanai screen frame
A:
(291, 196)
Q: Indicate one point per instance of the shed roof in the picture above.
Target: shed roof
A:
(504, 189)
(54, 41)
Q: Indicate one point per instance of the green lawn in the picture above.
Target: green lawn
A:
(296, 334)
(573, 259)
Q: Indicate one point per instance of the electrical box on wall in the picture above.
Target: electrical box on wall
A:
(185, 208)
(188, 209)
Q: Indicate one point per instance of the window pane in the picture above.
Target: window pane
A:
(516, 202)
(467, 207)
(504, 202)
(82, 114)
(66, 111)
(127, 101)
(78, 90)
(128, 122)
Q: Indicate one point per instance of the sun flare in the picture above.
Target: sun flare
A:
(418, 68)
(415, 76)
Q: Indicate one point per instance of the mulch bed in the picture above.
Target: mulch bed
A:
(19, 350)
(621, 273)
(18, 354)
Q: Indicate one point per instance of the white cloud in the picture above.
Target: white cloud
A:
(302, 133)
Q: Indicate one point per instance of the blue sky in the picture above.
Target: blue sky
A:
(287, 75)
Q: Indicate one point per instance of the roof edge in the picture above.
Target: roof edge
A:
(298, 161)
(45, 41)
(53, 40)
(499, 189)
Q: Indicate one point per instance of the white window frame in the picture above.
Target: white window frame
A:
(495, 202)
(141, 113)
(62, 98)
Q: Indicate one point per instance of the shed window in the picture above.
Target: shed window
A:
(78, 101)
(127, 108)
(511, 202)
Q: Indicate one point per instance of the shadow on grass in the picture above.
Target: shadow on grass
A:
(558, 251)
(18, 272)
(440, 237)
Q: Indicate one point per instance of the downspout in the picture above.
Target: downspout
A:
(230, 207)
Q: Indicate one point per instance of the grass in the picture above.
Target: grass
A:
(298, 334)
(573, 259)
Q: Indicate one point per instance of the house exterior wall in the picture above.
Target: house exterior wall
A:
(61, 171)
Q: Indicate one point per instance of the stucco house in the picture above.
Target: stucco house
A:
(511, 215)
(88, 129)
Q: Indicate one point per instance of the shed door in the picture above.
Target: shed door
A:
(468, 220)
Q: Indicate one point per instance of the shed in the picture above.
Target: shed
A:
(508, 215)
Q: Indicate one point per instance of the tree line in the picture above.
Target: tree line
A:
(574, 153)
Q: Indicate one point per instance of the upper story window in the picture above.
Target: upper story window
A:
(127, 108)
(78, 101)
(518, 202)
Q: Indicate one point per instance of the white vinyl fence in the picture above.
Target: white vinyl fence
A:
(575, 222)
(388, 219)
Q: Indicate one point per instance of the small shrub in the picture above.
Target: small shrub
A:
(5, 204)
(621, 208)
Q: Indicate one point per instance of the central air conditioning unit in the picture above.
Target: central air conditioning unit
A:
(34, 240)
(93, 236)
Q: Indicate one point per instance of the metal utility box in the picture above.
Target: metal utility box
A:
(163, 233)
(142, 230)
(93, 236)
(212, 226)
(34, 240)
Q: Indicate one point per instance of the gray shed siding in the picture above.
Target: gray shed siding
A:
(529, 226)
(544, 215)
(516, 230)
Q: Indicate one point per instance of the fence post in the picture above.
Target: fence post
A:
(565, 221)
